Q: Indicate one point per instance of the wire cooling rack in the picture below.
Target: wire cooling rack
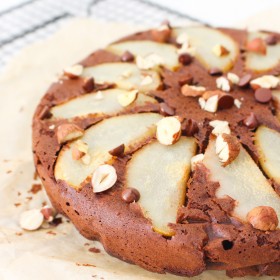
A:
(33, 20)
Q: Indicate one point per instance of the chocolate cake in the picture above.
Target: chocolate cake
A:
(165, 147)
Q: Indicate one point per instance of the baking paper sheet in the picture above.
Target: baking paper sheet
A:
(59, 252)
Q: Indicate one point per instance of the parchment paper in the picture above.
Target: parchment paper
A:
(60, 252)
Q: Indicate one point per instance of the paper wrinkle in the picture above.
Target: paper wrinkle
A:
(41, 255)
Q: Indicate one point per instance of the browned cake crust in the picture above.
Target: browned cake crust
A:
(206, 234)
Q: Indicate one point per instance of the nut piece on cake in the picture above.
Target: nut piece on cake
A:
(168, 130)
(227, 148)
(263, 218)
(67, 132)
(104, 177)
(74, 71)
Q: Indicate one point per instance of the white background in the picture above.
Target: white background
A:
(214, 12)
(219, 12)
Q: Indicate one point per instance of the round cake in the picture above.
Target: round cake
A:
(165, 147)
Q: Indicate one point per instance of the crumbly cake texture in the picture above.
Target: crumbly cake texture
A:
(213, 228)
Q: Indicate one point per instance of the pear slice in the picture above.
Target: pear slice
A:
(259, 62)
(160, 174)
(203, 40)
(267, 141)
(243, 181)
(125, 75)
(129, 130)
(143, 48)
(104, 103)
(276, 99)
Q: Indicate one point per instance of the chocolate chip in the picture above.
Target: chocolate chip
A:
(161, 36)
(88, 85)
(251, 121)
(190, 127)
(225, 101)
(56, 221)
(45, 113)
(127, 56)
(185, 58)
(215, 71)
(244, 81)
(118, 151)
(130, 195)
(166, 110)
(271, 40)
(263, 95)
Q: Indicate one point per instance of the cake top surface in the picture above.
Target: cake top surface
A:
(172, 129)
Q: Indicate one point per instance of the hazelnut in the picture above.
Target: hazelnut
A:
(192, 91)
(195, 160)
(168, 130)
(257, 45)
(74, 71)
(211, 104)
(220, 127)
(104, 177)
(147, 80)
(31, 219)
(127, 97)
(227, 148)
(266, 81)
(148, 62)
(223, 84)
(220, 50)
(263, 218)
(233, 78)
(79, 150)
(67, 132)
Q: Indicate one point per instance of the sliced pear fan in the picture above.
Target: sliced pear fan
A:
(203, 39)
(243, 181)
(160, 174)
(129, 130)
(124, 75)
(167, 52)
(268, 143)
(259, 62)
(94, 104)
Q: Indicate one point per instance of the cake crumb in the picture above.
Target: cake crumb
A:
(94, 250)
(35, 188)
(85, 264)
(35, 175)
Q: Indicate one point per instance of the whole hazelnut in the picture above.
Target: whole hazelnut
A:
(263, 218)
